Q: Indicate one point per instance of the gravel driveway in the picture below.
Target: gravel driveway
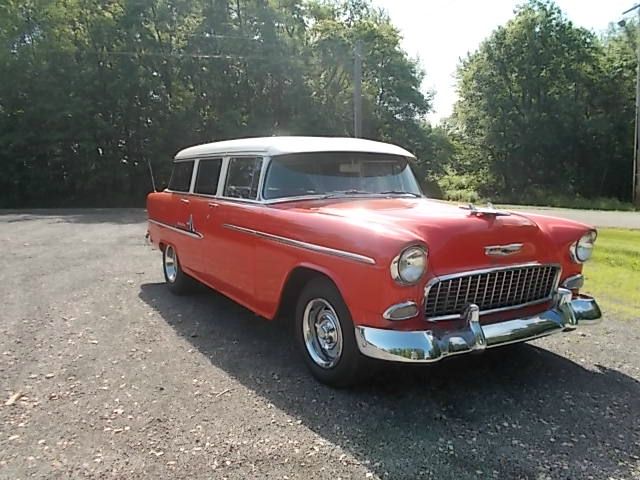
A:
(104, 374)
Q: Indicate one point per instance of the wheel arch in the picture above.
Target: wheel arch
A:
(293, 285)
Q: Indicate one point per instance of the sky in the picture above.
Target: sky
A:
(440, 32)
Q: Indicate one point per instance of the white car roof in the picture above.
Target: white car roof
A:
(270, 146)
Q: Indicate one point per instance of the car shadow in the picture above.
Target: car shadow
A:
(520, 412)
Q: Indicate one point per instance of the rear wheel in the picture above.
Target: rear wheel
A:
(177, 281)
(326, 336)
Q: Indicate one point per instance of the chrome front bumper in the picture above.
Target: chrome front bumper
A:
(424, 346)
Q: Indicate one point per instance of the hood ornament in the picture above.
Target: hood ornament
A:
(489, 210)
(502, 250)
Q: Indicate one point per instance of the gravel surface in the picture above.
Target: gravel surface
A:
(105, 374)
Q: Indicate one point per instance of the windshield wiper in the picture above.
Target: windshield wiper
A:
(398, 192)
(342, 193)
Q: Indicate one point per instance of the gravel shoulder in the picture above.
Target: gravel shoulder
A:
(104, 373)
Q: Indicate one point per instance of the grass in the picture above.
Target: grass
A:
(613, 274)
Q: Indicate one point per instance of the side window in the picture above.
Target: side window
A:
(207, 176)
(181, 176)
(243, 177)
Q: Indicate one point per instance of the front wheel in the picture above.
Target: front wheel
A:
(326, 336)
(177, 281)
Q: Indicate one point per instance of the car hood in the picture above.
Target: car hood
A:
(456, 238)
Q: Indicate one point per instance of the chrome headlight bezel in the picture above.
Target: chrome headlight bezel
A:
(582, 249)
(410, 265)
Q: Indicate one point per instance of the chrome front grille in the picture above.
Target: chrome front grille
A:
(491, 290)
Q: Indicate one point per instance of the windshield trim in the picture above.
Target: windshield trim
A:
(329, 196)
(320, 196)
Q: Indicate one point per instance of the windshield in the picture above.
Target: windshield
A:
(339, 173)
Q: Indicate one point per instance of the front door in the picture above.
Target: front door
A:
(234, 267)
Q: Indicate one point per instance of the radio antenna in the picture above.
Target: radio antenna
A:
(153, 180)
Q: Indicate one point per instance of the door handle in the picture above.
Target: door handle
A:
(184, 200)
(213, 205)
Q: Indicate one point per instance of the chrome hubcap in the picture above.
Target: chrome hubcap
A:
(170, 263)
(322, 333)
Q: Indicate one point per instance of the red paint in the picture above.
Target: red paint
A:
(253, 270)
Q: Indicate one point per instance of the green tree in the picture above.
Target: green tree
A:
(93, 92)
(538, 103)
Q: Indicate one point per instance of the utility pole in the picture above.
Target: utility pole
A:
(636, 163)
(357, 90)
(635, 182)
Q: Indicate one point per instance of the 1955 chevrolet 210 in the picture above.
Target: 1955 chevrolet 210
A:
(336, 234)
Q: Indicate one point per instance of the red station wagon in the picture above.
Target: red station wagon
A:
(336, 234)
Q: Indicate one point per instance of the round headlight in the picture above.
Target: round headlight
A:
(410, 265)
(581, 250)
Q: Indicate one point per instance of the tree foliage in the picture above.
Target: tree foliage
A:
(547, 106)
(95, 91)
(92, 91)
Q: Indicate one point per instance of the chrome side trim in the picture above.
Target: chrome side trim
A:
(469, 273)
(574, 282)
(177, 230)
(304, 245)
(389, 312)
(218, 197)
(427, 346)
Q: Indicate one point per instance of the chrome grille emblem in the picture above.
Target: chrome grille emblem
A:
(502, 250)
